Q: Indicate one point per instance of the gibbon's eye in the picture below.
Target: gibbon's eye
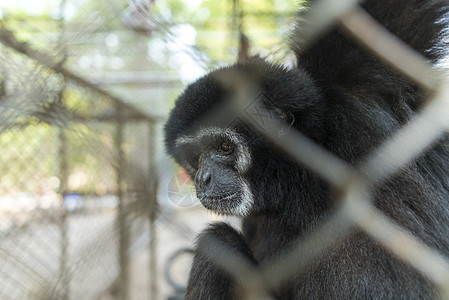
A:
(225, 149)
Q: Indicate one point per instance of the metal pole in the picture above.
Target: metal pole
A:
(153, 209)
(63, 173)
(63, 157)
(122, 215)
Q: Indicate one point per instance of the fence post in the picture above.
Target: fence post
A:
(122, 215)
(63, 171)
(63, 174)
(153, 209)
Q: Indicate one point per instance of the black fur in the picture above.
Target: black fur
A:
(214, 283)
(347, 101)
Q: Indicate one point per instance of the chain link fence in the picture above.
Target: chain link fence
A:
(82, 100)
(354, 183)
(78, 184)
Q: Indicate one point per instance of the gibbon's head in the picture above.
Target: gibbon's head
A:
(231, 165)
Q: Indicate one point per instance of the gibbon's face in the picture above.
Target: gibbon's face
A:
(217, 159)
(209, 140)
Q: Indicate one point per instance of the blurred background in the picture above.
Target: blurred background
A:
(90, 206)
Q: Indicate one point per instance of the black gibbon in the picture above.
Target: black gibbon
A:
(347, 101)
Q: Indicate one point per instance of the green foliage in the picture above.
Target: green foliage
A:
(265, 22)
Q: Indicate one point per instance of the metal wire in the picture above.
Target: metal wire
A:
(357, 211)
(354, 212)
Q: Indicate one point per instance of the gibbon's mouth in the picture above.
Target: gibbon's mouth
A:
(227, 197)
(218, 202)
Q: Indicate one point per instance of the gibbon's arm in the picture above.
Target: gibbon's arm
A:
(207, 280)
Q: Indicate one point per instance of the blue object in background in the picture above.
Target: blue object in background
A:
(72, 201)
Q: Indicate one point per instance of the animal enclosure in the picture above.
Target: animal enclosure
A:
(92, 208)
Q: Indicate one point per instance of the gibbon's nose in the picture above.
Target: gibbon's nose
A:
(203, 178)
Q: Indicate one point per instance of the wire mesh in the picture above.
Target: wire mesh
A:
(357, 210)
(78, 182)
(66, 178)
